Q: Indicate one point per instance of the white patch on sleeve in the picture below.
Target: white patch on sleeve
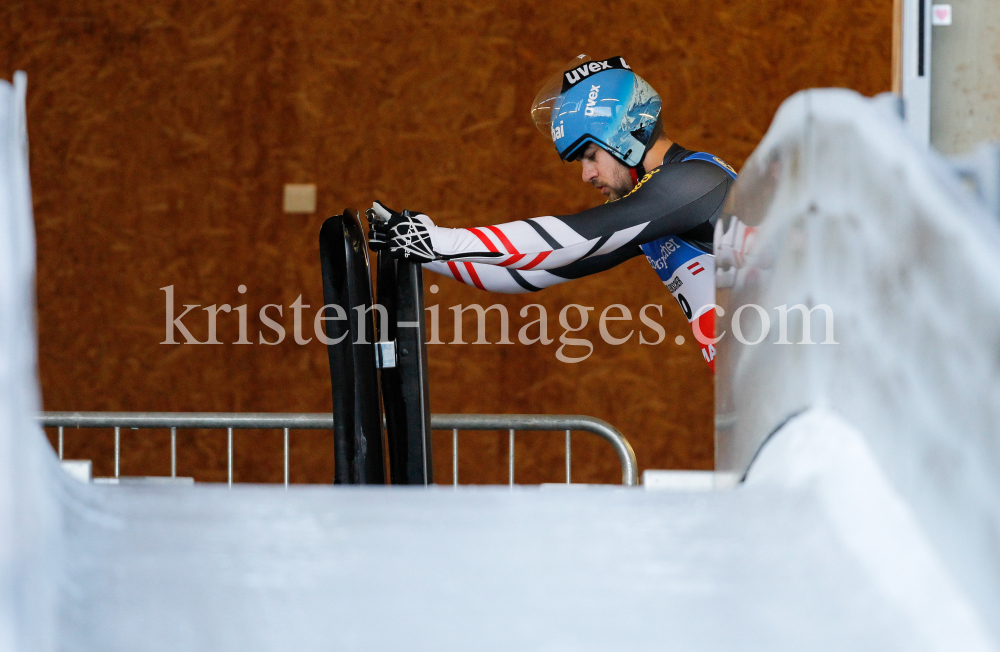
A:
(559, 230)
(524, 238)
(558, 257)
(620, 238)
(451, 242)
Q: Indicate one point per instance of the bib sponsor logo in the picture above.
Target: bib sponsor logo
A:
(573, 77)
(668, 248)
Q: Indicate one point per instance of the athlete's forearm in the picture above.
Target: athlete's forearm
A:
(496, 279)
(541, 243)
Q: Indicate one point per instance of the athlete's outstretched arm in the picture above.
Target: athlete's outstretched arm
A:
(674, 199)
(494, 278)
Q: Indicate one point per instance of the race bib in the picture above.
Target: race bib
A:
(689, 274)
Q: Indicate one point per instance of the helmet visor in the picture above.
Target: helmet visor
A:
(541, 108)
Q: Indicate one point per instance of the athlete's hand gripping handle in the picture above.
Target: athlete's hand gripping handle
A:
(405, 235)
(378, 229)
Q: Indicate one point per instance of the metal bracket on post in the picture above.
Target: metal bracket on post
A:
(386, 354)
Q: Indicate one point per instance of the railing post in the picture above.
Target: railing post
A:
(454, 457)
(286, 458)
(511, 473)
(568, 469)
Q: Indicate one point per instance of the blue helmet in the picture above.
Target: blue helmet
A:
(601, 102)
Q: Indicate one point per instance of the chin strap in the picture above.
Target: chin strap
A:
(637, 173)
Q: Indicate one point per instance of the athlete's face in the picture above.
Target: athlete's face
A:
(605, 173)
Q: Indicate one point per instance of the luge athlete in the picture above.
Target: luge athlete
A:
(663, 201)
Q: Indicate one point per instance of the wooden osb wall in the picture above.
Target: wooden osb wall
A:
(162, 133)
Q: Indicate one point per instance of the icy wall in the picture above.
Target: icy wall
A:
(28, 512)
(852, 214)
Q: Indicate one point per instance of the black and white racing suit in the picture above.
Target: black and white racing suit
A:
(669, 216)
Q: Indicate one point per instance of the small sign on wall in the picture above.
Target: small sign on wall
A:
(300, 198)
(940, 15)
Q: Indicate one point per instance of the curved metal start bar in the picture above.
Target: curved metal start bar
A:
(324, 421)
(547, 422)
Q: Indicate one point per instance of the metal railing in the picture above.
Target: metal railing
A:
(323, 421)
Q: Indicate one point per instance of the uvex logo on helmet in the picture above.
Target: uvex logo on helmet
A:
(592, 110)
(573, 77)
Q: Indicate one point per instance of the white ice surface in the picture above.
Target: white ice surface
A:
(803, 556)
(759, 568)
(814, 552)
(821, 452)
(853, 214)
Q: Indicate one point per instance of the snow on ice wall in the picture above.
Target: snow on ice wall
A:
(853, 214)
(29, 534)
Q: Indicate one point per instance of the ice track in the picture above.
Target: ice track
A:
(827, 544)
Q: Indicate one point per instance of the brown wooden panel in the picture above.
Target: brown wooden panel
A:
(162, 134)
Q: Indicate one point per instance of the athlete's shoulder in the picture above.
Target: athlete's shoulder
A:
(677, 154)
(696, 176)
(712, 159)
